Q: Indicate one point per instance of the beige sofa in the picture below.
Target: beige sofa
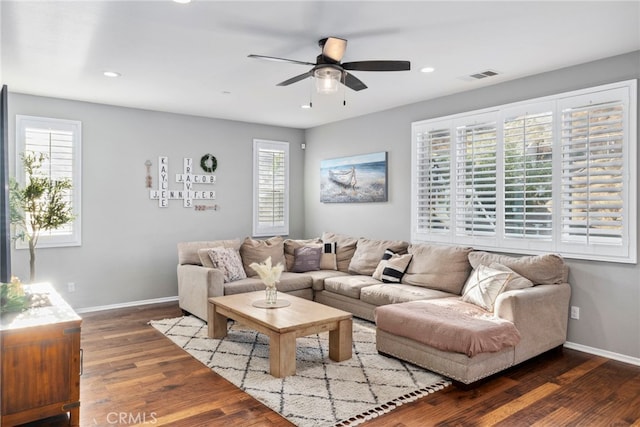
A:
(436, 279)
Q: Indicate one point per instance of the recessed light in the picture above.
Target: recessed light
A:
(182, 1)
(111, 74)
(427, 70)
(305, 106)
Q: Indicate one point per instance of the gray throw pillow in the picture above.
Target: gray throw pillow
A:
(307, 258)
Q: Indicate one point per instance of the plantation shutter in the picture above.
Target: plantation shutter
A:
(432, 168)
(594, 173)
(271, 188)
(528, 177)
(476, 147)
(57, 146)
(60, 141)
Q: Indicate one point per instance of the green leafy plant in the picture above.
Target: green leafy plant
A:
(12, 296)
(39, 206)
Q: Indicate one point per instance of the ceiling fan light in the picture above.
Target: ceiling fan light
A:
(327, 80)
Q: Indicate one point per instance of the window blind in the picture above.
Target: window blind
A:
(271, 172)
(433, 165)
(60, 141)
(476, 147)
(553, 174)
(57, 146)
(528, 176)
(592, 174)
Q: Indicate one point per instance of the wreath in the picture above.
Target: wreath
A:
(208, 163)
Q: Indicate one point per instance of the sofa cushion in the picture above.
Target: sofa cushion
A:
(289, 282)
(392, 267)
(188, 251)
(484, 285)
(307, 258)
(448, 324)
(329, 260)
(382, 294)
(349, 286)
(290, 246)
(258, 251)
(445, 268)
(320, 276)
(548, 269)
(345, 248)
(516, 282)
(369, 252)
(228, 261)
(205, 259)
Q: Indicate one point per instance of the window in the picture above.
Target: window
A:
(60, 141)
(556, 174)
(270, 188)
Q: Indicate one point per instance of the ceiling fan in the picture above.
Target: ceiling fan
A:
(329, 71)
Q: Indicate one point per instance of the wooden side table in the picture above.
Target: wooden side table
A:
(41, 361)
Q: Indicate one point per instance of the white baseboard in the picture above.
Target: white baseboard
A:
(126, 304)
(604, 353)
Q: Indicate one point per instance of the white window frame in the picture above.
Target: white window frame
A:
(261, 228)
(48, 239)
(624, 252)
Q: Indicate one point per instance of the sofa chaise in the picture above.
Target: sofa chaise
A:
(501, 310)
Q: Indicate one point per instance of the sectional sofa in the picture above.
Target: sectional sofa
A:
(463, 313)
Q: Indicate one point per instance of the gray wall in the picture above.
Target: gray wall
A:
(607, 293)
(128, 250)
(129, 244)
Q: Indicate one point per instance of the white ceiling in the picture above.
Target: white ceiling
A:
(192, 59)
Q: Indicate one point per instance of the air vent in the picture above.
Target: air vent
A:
(484, 74)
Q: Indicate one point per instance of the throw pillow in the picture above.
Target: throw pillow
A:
(329, 259)
(444, 268)
(484, 285)
(259, 250)
(392, 267)
(516, 282)
(307, 258)
(290, 245)
(346, 247)
(369, 252)
(228, 261)
(547, 269)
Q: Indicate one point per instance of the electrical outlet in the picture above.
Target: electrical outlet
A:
(71, 287)
(575, 312)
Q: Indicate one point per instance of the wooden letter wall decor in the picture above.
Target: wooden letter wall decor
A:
(188, 193)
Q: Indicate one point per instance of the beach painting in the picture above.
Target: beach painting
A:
(354, 179)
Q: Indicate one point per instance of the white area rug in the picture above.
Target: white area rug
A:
(323, 392)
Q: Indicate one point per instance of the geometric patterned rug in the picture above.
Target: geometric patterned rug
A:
(323, 392)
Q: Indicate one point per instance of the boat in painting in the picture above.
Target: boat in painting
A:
(345, 178)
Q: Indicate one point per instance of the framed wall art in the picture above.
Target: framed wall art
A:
(354, 179)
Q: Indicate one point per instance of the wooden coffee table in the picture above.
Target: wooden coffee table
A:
(283, 325)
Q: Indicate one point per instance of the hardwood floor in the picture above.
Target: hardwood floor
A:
(134, 376)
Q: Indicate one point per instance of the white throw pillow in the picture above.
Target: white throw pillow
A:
(228, 261)
(484, 285)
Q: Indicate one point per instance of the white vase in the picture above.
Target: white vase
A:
(271, 295)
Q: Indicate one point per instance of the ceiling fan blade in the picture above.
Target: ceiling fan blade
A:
(295, 79)
(353, 82)
(377, 66)
(273, 58)
(333, 48)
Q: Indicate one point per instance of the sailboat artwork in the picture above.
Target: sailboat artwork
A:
(354, 179)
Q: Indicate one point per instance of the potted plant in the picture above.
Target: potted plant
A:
(38, 206)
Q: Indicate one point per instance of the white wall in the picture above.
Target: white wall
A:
(607, 293)
(129, 251)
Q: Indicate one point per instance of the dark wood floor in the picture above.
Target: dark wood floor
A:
(135, 376)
